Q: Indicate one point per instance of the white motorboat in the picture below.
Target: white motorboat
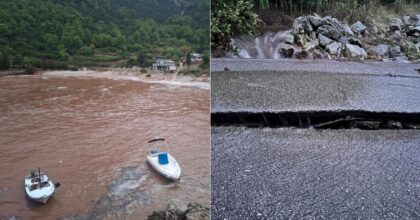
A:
(162, 161)
(38, 187)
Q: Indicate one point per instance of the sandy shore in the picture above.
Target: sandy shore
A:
(201, 82)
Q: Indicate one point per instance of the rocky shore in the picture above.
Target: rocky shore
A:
(316, 37)
(177, 210)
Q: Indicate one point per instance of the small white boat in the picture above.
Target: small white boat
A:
(162, 161)
(38, 187)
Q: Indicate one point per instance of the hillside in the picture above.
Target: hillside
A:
(71, 34)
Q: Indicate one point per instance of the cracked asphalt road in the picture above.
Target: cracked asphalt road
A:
(315, 174)
(290, 173)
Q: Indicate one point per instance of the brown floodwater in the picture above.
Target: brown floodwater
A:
(89, 134)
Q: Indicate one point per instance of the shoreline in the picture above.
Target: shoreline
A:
(201, 82)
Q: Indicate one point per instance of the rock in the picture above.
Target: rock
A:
(358, 27)
(300, 39)
(290, 38)
(407, 20)
(197, 212)
(411, 50)
(342, 28)
(301, 54)
(316, 21)
(177, 210)
(323, 40)
(394, 51)
(396, 36)
(334, 48)
(177, 206)
(329, 31)
(354, 51)
(396, 24)
(310, 45)
(298, 26)
(287, 50)
(317, 54)
(347, 29)
(355, 41)
(414, 31)
(382, 50)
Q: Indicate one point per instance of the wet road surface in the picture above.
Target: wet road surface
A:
(89, 134)
(315, 174)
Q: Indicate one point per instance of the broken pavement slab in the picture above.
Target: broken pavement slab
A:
(291, 85)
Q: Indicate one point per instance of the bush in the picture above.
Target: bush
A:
(86, 51)
(229, 18)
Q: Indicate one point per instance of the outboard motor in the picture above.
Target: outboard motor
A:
(33, 174)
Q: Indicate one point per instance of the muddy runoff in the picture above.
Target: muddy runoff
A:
(89, 134)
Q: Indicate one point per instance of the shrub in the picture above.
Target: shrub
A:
(229, 18)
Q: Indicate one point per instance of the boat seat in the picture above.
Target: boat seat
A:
(154, 151)
(163, 158)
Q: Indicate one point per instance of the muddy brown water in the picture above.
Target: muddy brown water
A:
(89, 134)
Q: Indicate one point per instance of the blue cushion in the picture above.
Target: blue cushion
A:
(163, 158)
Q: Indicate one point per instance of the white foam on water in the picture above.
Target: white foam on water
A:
(116, 76)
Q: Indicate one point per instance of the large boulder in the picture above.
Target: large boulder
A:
(334, 48)
(354, 52)
(382, 50)
(342, 28)
(323, 40)
(358, 27)
(301, 25)
(396, 24)
(329, 31)
(316, 21)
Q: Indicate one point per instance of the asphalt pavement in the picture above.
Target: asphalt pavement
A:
(315, 174)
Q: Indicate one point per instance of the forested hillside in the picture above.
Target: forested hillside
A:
(63, 34)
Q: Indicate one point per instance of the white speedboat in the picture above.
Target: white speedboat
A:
(38, 187)
(162, 161)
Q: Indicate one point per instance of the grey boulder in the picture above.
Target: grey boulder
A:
(358, 27)
(354, 51)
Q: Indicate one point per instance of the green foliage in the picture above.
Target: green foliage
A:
(229, 18)
(61, 33)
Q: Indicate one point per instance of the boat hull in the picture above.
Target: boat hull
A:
(171, 171)
(39, 195)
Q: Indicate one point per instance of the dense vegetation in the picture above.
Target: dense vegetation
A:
(63, 34)
(232, 17)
